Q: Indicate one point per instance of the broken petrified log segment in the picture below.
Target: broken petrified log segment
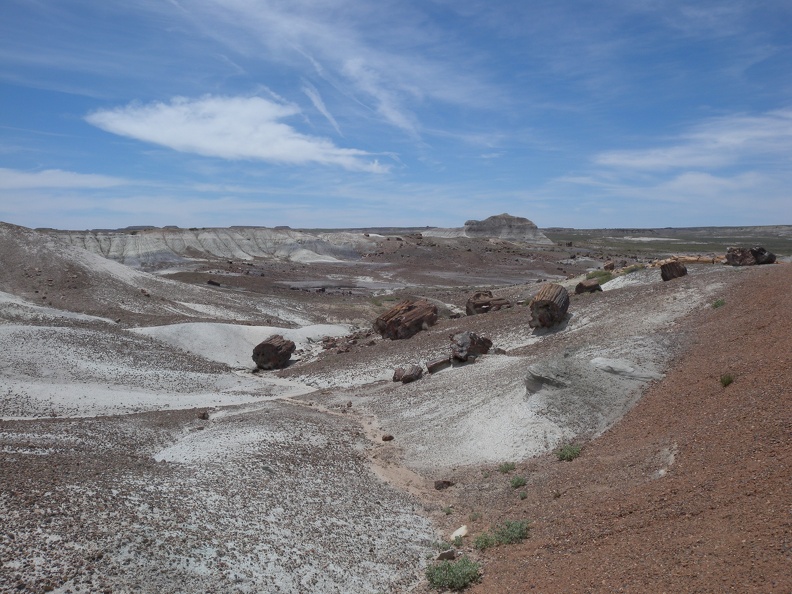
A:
(408, 374)
(273, 353)
(609, 265)
(469, 344)
(590, 285)
(549, 306)
(406, 319)
(671, 270)
(483, 302)
(737, 256)
(438, 364)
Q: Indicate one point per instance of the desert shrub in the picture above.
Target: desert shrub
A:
(523, 495)
(726, 379)
(517, 482)
(718, 303)
(568, 452)
(510, 532)
(603, 276)
(453, 575)
(447, 510)
(506, 467)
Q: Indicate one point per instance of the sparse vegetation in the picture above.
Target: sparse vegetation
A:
(453, 575)
(517, 482)
(523, 495)
(603, 276)
(510, 532)
(448, 510)
(726, 379)
(506, 467)
(568, 452)
(475, 516)
(458, 542)
(718, 303)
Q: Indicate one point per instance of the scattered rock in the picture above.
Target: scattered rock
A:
(461, 532)
(609, 265)
(448, 555)
(484, 302)
(387, 437)
(737, 256)
(590, 285)
(440, 485)
(438, 364)
(204, 416)
(672, 270)
(468, 344)
(273, 353)
(549, 306)
(406, 319)
(214, 283)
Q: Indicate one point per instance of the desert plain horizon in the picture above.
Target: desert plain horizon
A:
(142, 450)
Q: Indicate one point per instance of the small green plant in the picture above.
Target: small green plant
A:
(475, 516)
(568, 452)
(486, 474)
(523, 495)
(718, 303)
(453, 575)
(458, 542)
(447, 510)
(603, 276)
(517, 482)
(726, 379)
(510, 532)
(506, 467)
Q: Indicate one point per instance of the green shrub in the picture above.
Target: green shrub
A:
(523, 495)
(453, 575)
(510, 532)
(447, 510)
(718, 303)
(506, 467)
(726, 379)
(568, 452)
(517, 482)
(603, 276)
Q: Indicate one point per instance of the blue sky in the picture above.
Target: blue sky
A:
(345, 113)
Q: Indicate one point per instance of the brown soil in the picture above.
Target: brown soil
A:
(690, 492)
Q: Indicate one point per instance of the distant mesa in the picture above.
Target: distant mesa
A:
(502, 226)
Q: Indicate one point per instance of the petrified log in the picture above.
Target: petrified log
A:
(438, 364)
(737, 256)
(483, 302)
(273, 353)
(408, 374)
(671, 270)
(469, 344)
(406, 319)
(590, 285)
(609, 265)
(549, 306)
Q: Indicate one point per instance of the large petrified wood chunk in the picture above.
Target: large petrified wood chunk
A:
(671, 270)
(273, 353)
(483, 302)
(738, 256)
(406, 319)
(549, 306)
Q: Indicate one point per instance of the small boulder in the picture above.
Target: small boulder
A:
(590, 285)
(273, 353)
(441, 485)
(448, 555)
(468, 344)
(438, 364)
(387, 437)
(609, 265)
(408, 374)
(484, 302)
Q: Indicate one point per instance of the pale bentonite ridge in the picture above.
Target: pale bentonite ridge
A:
(145, 455)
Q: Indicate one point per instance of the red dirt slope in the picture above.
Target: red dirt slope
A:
(624, 517)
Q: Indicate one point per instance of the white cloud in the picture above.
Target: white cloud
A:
(715, 143)
(231, 128)
(319, 104)
(12, 179)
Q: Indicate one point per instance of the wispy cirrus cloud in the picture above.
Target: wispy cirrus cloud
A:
(718, 142)
(13, 179)
(233, 128)
(313, 94)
